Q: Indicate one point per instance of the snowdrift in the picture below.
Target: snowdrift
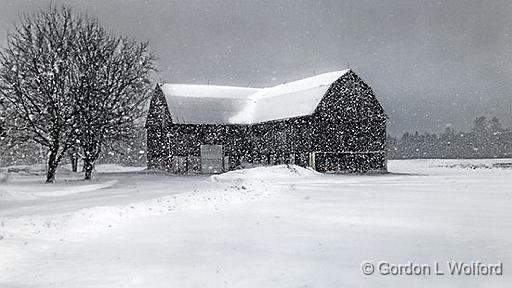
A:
(266, 173)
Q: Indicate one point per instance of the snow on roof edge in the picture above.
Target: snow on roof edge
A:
(215, 104)
(321, 76)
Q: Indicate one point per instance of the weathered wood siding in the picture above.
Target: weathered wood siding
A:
(347, 132)
(157, 124)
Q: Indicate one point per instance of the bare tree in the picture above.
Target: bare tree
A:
(36, 81)
(114, 79)
(72, 85)
(3, 128)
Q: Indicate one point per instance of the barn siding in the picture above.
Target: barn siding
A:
(347, 132)
(157, 124)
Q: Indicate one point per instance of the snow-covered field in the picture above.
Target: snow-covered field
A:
(262, 227)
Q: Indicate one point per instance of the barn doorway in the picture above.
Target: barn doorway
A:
(212, 159)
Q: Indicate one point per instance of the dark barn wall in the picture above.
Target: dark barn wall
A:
(157, 124)
(347, 131)
(351, 122)
(349, 118)
(245, 143)
(186, 140)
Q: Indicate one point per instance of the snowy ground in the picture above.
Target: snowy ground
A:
(261, 227)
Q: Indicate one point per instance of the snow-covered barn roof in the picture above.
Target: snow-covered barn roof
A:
(209, 104)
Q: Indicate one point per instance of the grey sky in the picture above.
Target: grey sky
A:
(431, 63)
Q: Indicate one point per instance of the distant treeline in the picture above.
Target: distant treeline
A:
(487, 139)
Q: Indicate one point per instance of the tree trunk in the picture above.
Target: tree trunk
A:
(88, 167)
(52, 167)
(74, 164)
(74, 161)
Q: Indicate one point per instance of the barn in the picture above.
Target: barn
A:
(330, 122)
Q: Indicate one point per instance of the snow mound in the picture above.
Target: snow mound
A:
(8, 195)
(89, 223)
(77, 189)
(266, 173)
(27, 193)
(106, 168)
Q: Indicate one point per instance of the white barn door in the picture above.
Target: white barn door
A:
(212, 159)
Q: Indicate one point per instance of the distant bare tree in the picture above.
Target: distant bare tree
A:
(36, 81)
(114, 79)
